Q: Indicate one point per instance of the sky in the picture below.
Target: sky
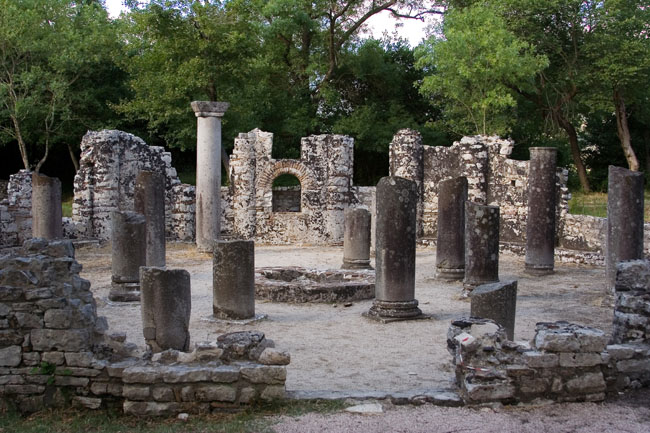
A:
(411, 30)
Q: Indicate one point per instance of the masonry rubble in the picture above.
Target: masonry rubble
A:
(55, 351)
(564, 362)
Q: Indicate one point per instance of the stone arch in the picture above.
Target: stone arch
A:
(286, 166)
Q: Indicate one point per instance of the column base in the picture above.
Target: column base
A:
(392, 311)
(124, 292)
(450, 274)
(538, 270)
(356, 264)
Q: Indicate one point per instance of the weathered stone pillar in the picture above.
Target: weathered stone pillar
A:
(233, 280)
(540, 224)
(129, 252)
(481, 245)
(450, 244)
(149, 200)
(208, 171)
(624, 219)
(166, 306)
(395, 251)
(496, 301)
(406, 159)
(356, 242)
(47, 220)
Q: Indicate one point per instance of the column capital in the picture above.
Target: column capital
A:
(209, 108)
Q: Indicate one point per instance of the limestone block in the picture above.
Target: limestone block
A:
(136, 392)
(580, 359)
(71, 381)
(10, 356)
(273, 392)
(163, 393)
(621, 351)
(271, 356)
(541, 360)
(633, 366)
(587, 383)
(553, 341)
(69, 340)
(215, 393)
(86, 402)
(140, 374)
(478, 392)
(264, 374)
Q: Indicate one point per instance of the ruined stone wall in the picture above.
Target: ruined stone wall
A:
(325, 174)
(563, 362)
(109, 164)
(16, 209)
(55, 351)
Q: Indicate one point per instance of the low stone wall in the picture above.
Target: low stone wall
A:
(564, 361)
(55, 351)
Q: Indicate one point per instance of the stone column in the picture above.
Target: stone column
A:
(208, 171)
(233, 280)
(406, 159)
(496, 301)
(540, 224)
(397, 201)
(624, 219)
(356, 242)
(166, 306)
(47, 222)
(450, 244)
(481, 245)
(149, 200)
(129, 252)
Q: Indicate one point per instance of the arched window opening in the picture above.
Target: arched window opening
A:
(286, 193)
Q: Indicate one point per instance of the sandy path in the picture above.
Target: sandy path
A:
(334, 348)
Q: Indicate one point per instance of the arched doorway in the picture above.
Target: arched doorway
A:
(286, 191)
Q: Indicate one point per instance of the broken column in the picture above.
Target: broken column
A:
(129, 252)
(498, 302)
(356, 242)
(208, 171)
(481, 245)
(450, 244)
(624, 219)
(149, 200)
(540, 224)
(166, 306)
(233, 284)
(47, 222)
(395, 251)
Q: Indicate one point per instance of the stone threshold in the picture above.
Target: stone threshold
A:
(437, 397)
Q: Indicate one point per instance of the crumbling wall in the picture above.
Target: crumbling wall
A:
(55, 351)
(16, 210)
(564, 361)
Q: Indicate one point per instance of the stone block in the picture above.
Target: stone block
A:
(163, 393)
(28, 320)
(484, 392)
(247, 395)
(79, 359)
(183, 374)
(139, 374)
(272, 356)
(633, 366)
(215, 393)
(273, 392)
(56, 358)
(136, 392)
(31, 358)
(11, 356)
(58, 319)
(11, 379)
(10, 337)
(528, 385)
(541, 360)
(70, 340)
(580, 359)
(71, 381)
(36, 294)
(590, 339)
(587, 383)
(264, 374)
(556, 341)
(621, 351)
(86, 402)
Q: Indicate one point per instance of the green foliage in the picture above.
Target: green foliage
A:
(475, 67)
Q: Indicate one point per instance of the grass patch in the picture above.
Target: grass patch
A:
(595, 204)
(66, 205)
(188, 177)
(253, 419)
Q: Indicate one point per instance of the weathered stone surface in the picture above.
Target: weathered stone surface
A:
(450, 242)
(86, 402)
(269, 374)
(69, 340)
(10, 356)
(215, 393)
(580, 359)
(540, 224)
(273, 392)
(624, 219)
(46, 207)
(166, 305)
(149, 200)
(271, 356)
(356, 240)
(395, 250)
(233, 284)
(481, 245)
(541, 360)
(489, 392)
(496, 301)
(587, 383)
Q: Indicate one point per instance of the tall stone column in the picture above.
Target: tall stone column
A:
(208, 171)
(149, 200)
(395, 251)
(540, 224)
(129, 252)
(233, 280)
(450, 244)
(356, 242)
(47, 221)
(166, 306)
(481, 245)
(624, 219)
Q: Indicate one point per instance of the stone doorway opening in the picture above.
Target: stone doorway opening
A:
(286, 193)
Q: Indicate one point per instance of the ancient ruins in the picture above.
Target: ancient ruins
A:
(470, 199)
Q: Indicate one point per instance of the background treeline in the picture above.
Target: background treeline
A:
(565, 73)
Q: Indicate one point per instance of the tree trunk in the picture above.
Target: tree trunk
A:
(74, 159)
(575, 149)
(21, 143)
(624, 131)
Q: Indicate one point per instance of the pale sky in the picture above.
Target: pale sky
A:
(412, 30)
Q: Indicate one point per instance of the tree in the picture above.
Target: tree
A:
(50, 52)
(474, 68)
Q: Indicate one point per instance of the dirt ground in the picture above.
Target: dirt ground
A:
(333, 348)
